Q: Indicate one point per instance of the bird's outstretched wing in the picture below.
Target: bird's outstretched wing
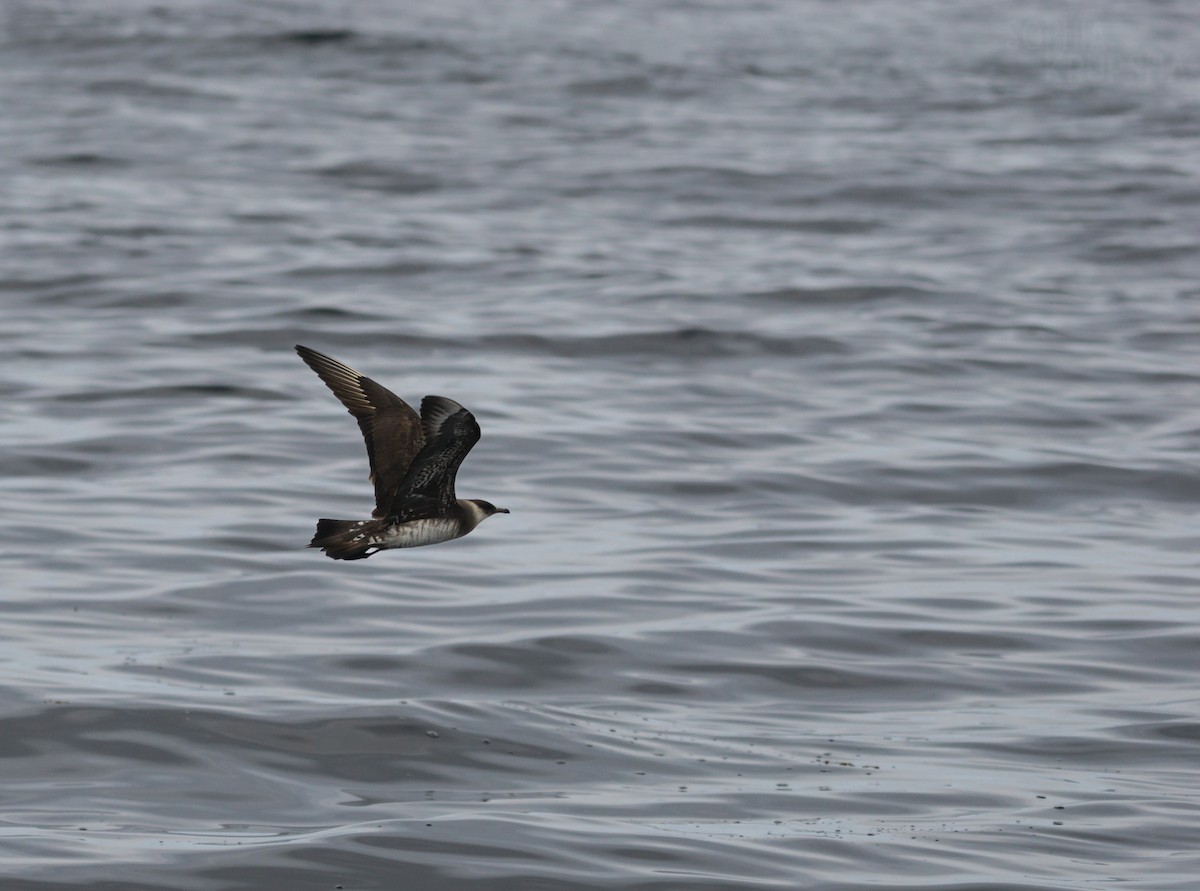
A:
(451, 433)
(392, 430)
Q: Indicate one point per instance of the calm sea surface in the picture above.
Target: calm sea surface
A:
(838, 363)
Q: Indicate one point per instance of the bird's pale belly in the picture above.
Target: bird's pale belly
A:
(416, 533)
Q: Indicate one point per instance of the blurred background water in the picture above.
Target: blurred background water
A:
(837, 362)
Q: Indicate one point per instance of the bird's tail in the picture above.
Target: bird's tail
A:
(346, 539)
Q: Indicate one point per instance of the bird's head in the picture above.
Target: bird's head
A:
(480, 510)
(488, 508)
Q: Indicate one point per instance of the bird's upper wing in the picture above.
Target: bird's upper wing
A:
(435, 410)
(391, 428)
(428, 490)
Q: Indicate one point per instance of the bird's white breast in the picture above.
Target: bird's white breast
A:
(416, 533)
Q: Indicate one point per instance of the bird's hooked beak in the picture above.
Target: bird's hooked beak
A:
(502, 510)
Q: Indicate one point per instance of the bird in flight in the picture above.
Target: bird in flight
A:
(414, 459)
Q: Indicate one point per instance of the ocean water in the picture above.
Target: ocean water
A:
(838, 364)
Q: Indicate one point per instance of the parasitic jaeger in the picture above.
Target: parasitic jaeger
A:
(414, 459)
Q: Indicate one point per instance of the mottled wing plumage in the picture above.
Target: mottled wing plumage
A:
(393, 431)
(429, 489)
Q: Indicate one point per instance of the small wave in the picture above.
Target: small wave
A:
(147, 88)
(829, 226)
(387, 270)
(381, 177)
(359, 41)
(170, 393)
(629, 85)
(93, 160)
(847, 294)
(315, 36)
(681, 342)
(42, 465)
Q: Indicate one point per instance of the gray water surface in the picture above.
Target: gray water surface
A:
(837, 362)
